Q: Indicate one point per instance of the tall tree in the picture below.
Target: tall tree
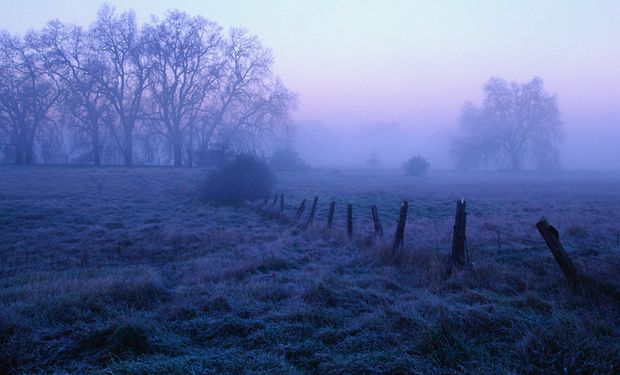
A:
(27, 93)
(76, 65)
(517, 123)
(184, 55)
(250, 104)
(118, 41)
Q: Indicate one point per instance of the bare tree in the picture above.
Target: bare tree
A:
(517, 122)
(118, 41)
(84, 106)
(184, 53)
(176, 82)
(373, 160)
(250, 104)
(27, 93)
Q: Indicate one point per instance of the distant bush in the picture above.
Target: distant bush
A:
(373, 160)
(246, 177)
(416, 165)
(287, 160)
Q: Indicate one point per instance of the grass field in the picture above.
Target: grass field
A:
(117, 270)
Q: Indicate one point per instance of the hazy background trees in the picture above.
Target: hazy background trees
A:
(121, 92)
(28, 91)
(518, 123)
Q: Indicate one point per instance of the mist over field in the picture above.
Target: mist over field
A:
(309, 187)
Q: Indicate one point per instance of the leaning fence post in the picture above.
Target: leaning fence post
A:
(458, 237)
(376, 220)
(281, 202)
(312, 210)
(330, 214)
(552, 238)
(350, 220)
(301, 209)
(399, 237)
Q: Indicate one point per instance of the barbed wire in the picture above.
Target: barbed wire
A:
(506, 234)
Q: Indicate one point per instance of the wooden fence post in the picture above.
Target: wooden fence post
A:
(301, 209)
(312, 210)
(458, 237)
(552, 238)
(281, 202)
(350, 220)
(376, 220)
(399, 237)
(330, 214)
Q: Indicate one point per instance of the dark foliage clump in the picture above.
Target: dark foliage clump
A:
(417, 165)
(247, 177)
(287, 160)
(116, 340)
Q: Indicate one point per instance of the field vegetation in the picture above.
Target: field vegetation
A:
(129, 270)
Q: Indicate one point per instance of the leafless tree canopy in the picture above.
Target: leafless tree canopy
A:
(517, 124)
(167, 91)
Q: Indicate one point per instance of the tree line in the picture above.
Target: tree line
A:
(176, 90)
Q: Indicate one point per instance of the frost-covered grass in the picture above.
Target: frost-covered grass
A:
(129, 271)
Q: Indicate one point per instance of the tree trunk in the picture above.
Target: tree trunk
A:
(515, 161)
(28, 146)
(128, 151)
(190, 155)
(96, 150)
(19, 154)
(177, 150)
(28, 153)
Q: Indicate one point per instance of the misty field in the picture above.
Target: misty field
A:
(117, 270)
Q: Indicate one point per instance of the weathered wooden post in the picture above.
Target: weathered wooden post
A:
(301, 209)
(312, 210)
(552, 238)
(281, 202)
(350, 220)
(330, 214)
(399, 237)
(376, 220)
(458, 237)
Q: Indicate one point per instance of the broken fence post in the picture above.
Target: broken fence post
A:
(312, 210)
(458, 237)
(350, 220)
(376, 220)
(399, 237)
(301, 209)
(552, 238)
(330, 214)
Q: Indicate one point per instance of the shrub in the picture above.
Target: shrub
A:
(416, 165)
(247, 177)
(373, 160)
(287, 160)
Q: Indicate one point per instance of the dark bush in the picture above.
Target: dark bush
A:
(287, 160)
(247, 177)
(213, 157)
(416, 165)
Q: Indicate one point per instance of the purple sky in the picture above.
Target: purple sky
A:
(412, 62)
